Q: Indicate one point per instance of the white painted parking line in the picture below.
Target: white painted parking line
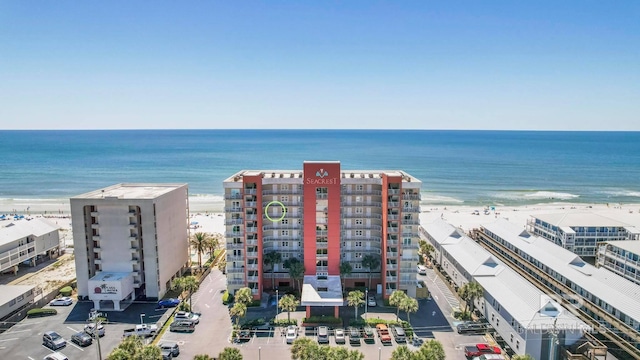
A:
(207, 305)
(10, 339)
(16, 331)
(30, 358)
(75, 346)
(210, 291)
(72, 329)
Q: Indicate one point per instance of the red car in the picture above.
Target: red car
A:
(480, 349)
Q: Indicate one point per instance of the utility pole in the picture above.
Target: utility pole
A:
(94, 318)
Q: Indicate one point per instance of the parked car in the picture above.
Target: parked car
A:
(480, 349)
(142, 330)
(472, 328)
(166, 354)
(82, 338)
(53, 340)
(91, 329)
(422, 270)
(56, 356)
(489, 357)
(244, 335)
(368, 335)
(383, 333)
(171, 347)
(339, 335)
(185, 315)
(63, 301)
(291, 334)
(323, 335)
(399, 334)
(183, 326)
(170, 302)
(371, 302)
(354, 336)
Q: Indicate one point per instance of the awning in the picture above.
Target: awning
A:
(326, 291)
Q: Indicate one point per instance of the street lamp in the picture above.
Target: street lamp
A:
(259, 352)
(277, 308)
(141, 321)
(379, 353)
(366, 302)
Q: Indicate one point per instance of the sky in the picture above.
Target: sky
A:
(513, 65)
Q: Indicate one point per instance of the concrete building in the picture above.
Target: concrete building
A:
(528, 320)
(23, 241)
(13, 297)
(604, 300)
(130, 241)
(322, 216)
(580, 232)
(621, 257)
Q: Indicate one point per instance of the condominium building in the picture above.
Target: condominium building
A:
(528, 320)
(604, 300)
(580, 232)
(322, 216)
(621, 257)
(24, 241)
(130, 241)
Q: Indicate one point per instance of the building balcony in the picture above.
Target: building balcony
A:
(410, 222)
(252, 229)
(291, 191)
(392, 230)
(235, 258)
(95, 226)
(280, 226)
(361, 204)
(95, 238)
(233, 209)
(391, 278)
(234, 222)
(393, 204)
(250, 204)
(277, 275)
(249, 191)
(252, 254)
(235, 282)
(411, 209)
(362, 216)
(393, 217)
(321, 245)
(252, 266)
(393, 191)
(97, 261)
(97, 249)
(134, 260)
(134, 249)
(408, 282)
(234, 234)
(235, 270)
(235, 245)
(252, 278)
(232, 196)
(392, 254)
(392, 266)
(392, 242)
(363, 227)
(322, 268)
(406, 196)
(322, 233)
(361, 192)
(255, 291)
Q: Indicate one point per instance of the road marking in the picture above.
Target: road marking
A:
(210, 291)
(207, 305)
(72, 329)
(154, 316)
(10, 339)
(74, 345)
(30, 358)
(16, 331)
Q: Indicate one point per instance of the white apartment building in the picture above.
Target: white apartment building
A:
(580, 232)
(606, 301)
(521, 314)
(621, 257)
(13, 297)
(22, 241)
(130, 241)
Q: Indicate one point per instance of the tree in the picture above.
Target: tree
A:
(288, 303)
(345, 270)
(469, 292)
(202, 357)
(222, 265)
(355, 298)
(238, 310)
(119, 354)
(230, 353)
(425, 249)
(396, 299)
(243, 296)
(370, 262)
(296, 269)
(341, 353)
(271, 259)
(430, 350)
(402, 352)
(409, 305)
(199, 242)
(214, 241)
(132, 348)
(303, 348)
(186, 283)
(522, 357)
(148, 352)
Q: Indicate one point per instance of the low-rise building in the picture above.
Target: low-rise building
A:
(23, 241)
(621, 257)
(13, 297)
(131, 240)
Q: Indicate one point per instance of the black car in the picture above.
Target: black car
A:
(82, 338)
(244, 335)
(472, 328)
(354, 336)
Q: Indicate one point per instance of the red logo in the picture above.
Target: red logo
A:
(97, 290)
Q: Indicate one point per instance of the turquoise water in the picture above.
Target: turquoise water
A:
(456, 167)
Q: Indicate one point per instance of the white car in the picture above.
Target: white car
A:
(185, 315)
(292, 334)
(91, 329)
(422, 270)
(63, 301)
(372, 301)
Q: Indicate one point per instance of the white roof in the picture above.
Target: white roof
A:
(573, 219)
(514, 293)
(22, 228)
(110, 276)
(10, 292)
(615, 290)
(131, 191)
(632, 246)
(312, 297)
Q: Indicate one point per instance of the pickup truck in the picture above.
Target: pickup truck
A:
(480, 349)
(142, 330)
(383, 333)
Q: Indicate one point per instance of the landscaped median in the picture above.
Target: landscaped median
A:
(41, 312)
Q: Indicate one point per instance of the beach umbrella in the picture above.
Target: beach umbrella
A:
(194, 223)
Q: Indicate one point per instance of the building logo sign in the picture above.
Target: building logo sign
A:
(322, 173)
(105, 290)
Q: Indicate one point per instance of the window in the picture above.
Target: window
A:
(358, 198)
(284, 186)
(358, 232)
(284, 233)
(406, 241)
(359, 187)
(359, 221)
(511, 338)
(285, 221)
(358, 255)
(357, 266)
(497, 322)
(359, 210)
(285, 243)
(358, 243)
(284, 199)
(517, 344)
(321, 252)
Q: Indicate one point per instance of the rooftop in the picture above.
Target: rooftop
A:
(615, 290)
(632, 246)
(11, 231)
(110, 276)
(131, 191)
(570, 219)
(311, 296)
(10, 292)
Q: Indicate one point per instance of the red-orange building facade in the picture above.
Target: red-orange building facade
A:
(323, 216)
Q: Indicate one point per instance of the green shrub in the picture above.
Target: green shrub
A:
(184, 306)
(285, 322)
(227, 297)
(322, 320)
(66, 291)
(254, 303)
(41, 312)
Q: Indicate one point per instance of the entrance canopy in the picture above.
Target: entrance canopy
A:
(323, 291)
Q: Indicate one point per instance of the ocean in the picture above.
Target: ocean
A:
(456, 167)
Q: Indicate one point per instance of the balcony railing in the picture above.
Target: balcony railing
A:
(235, 270)
(361, 192)
(235, 282)
(251, 217)
(393, 217)
(233, 209)
(252, 254)
(252, 278)
(393, 191)
(233, 222)
(251, 229)
(252, 242)
(410, 197)
(411, 209)
(392, 204)
(234, 258)
(392, 230)
(362, 216)
(250, 191)
(391, 278)
(234, 234)
(250, 204)
(232, 196)
(235, 246)
(392, 266)
(392, 254)
(252, 266)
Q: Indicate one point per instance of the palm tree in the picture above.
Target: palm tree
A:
(396, 299)
(199, 243)
(222, 265)
(402, 352)
(214, 242)
(469, 292)
(119, 354)
(238, 310)
(288, 303)
(425, 249)
(522, 357)
(345, 270)
(131, 345)
(409, 305)
(355, 298)
(243, 296)
(186, 283)
(303, 348)
(370, 262)
(342, 353)
(148, 352)
(202, 357)
(296, 269)
(230, 353)
(431, 350)
(271, 259)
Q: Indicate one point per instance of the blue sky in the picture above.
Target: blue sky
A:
(320, 64)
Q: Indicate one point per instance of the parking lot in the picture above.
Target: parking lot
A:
(24, 340)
